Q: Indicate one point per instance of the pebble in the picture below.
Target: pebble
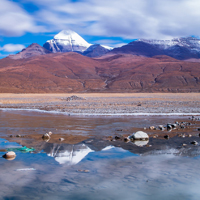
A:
(82, 170)
(194, 142)
(161, 127)
(166, 136)
(152, 127)
(169, 127)
(10, 155)
(50, 133)
(46, 136)
(126, 139)
(18, 135)
(61, 139)
(117, 137)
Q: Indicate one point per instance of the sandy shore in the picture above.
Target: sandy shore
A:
(104, 103)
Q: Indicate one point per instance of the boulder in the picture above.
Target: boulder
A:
(10, 155)
(139, 135)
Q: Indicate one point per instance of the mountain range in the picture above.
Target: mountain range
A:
(67, 66)
(69, 41)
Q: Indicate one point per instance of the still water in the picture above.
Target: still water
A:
(90, 167)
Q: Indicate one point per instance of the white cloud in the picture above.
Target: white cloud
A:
(128, 18)
(12, 47)
(15, 21)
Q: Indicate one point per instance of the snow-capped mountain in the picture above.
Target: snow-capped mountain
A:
(66, 41)
(179, 48)
(187, 42)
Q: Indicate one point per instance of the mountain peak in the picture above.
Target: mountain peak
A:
(32, 50)
(64, 34)
(66, 41)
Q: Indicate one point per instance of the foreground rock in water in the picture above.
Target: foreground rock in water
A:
(10, 155)
(139, 135)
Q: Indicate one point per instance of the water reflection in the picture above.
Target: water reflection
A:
(67, 153)
(96, 169)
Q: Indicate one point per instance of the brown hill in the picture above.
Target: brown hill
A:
(72, 72)
(31, 51)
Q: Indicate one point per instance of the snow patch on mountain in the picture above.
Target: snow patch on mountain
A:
(67, 41)
(189, 42)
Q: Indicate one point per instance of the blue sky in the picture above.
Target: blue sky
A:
(112, 23)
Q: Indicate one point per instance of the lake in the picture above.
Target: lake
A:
(90, 164)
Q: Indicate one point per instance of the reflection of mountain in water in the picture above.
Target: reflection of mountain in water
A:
(73, 154)
(67, 153)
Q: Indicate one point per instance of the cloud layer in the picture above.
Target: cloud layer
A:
(115, 18)
(12, 47)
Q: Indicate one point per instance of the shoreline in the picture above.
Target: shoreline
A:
(101, 104)
(100, 114)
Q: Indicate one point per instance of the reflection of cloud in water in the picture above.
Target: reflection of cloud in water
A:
(68, 154)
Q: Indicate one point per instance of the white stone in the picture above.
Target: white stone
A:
(10, 155)
(140, 135)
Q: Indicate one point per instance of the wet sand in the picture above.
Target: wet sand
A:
(107, 103)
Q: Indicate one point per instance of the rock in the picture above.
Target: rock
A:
(184, 144)
(50, 133)
(46, 136)
(18, 135)
(117, 137)
(139, 135)
(194, 142)
(182, 126)
(161, 127)
(189, 135)
(155, 136)
(169, 127)
(73, 98)
(61, 139)
(126, 139)
(182, 135)
(10, 155)
(139, 104)
(166, 137)
(152, 127)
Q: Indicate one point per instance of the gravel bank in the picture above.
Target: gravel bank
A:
(114, 103)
